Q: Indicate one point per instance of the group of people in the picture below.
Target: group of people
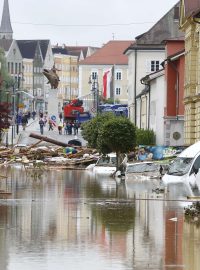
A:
(66, 128)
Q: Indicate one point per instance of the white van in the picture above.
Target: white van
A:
(185, 167)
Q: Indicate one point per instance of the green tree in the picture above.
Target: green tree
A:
(4, 75)
(117, 135)
(91, 129)
(109, 133)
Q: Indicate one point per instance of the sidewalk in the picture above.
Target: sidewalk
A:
(11, 137)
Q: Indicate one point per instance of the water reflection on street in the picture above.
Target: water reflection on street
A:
(75, 220)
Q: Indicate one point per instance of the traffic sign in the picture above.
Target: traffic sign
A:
(53, 117)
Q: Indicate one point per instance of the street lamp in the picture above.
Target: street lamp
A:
(7, 93)
(93, 81)
(1, 112)
(18, 79)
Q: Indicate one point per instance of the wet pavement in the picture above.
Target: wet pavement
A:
(33, 127)
(77, 220)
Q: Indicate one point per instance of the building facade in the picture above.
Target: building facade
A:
(190, 24)
(110, 59)
(146, 55)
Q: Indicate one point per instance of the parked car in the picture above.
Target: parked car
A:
(106, 164)
(185, 167)
(145, 170)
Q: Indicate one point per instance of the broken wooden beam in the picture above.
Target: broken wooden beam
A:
(50, 140)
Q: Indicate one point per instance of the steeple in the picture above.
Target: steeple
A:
(6, 31)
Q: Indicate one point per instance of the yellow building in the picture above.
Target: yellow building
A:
(67, 70)
(190, 24)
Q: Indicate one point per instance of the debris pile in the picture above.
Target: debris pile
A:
(192, 212)
(51, 156)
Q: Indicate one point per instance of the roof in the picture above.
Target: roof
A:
(166, 28)
(5, 21)
(59, 50)
(5, 44)
(77, 50)
(28, 47)
(111, 53)
(192, 7)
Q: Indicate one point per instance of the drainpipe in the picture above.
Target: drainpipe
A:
(147, 124)
(140, 112)
(135, 83)
(149, 90)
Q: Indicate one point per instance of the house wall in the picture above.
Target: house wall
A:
(14, 59)
(138, 67)
(48, 64)
(85, 72)
(157, 104)
(174, 110)
(67, 66)
(192, 82)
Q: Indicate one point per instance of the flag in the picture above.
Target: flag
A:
(107, 78)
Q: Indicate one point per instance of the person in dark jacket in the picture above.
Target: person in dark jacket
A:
(41, 123)
(24, 121)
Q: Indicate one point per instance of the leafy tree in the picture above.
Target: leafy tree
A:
(117, 135)
(5, 82)
(92, 128)
(4, 75)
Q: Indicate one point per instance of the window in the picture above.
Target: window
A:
(12, 68)
(118, 75)
(155, 65)
(94, 75)
(118, 91)
(16, 69)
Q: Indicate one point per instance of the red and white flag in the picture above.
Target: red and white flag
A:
(107, 78)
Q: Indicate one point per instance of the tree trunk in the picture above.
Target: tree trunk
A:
(50, 140)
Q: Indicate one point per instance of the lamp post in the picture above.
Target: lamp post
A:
(13, 114)
(18, 79)
(1, 113)
(7, 93)
(93, 81)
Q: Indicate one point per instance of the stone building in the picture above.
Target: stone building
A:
(190, 24)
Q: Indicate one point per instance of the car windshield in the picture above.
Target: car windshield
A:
(180, 166)
(106, 161)
(143, 167)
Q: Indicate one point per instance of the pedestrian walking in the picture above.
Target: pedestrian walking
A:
(60, 116)
(24, 121)
(41, 123)
(50, 125)
(65, 128)
(33, 115)
(60, 127)
(76, 127)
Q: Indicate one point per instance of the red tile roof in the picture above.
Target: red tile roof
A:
(110, 54)
(192, 7)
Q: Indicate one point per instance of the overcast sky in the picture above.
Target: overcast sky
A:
(84, 22)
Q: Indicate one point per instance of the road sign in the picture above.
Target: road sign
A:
(53, 117)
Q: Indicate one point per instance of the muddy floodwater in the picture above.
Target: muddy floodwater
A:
(58, 220)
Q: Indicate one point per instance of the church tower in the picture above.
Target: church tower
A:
(6, 31)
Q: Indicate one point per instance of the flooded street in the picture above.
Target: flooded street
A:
(74, 220)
